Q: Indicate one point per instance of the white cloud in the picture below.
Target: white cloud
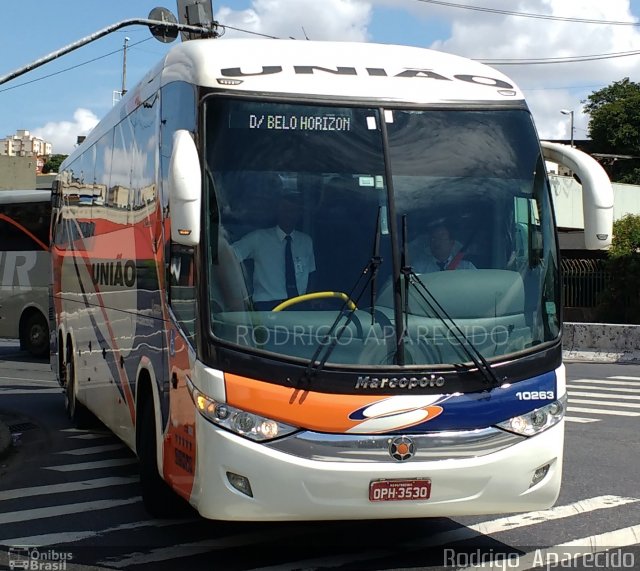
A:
(63, 134)
(550, 87)
(317, 20)
(482, 35)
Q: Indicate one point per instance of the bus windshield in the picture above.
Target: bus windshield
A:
(326, 200)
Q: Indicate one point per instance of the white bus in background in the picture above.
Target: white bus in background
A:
(382, 391)
(25, 268)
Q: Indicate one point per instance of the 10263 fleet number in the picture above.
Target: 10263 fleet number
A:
(535, 395)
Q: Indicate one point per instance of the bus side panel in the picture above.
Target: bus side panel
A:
(127, 265)
(71, 235)
(109, 285)
(24, 257)
(107, 281)
(23, 275)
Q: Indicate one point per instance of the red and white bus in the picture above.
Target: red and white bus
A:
(379, 389)
(24, 268)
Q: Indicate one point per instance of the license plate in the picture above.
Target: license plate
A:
(399, 490)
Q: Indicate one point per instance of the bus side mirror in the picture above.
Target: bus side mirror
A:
(185, 190)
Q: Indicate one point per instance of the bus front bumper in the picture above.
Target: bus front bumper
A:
(285, 487)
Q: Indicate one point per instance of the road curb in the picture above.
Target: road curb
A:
(5, 439)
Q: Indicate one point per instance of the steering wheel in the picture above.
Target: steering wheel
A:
(315, 295)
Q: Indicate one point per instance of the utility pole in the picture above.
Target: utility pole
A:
(124, 66)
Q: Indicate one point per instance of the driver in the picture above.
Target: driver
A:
(282, 256)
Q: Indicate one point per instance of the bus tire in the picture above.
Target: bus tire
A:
(159, 499)
(35, 334)
(76, 411)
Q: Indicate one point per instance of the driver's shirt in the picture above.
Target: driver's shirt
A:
(432, 264)
(266, 248)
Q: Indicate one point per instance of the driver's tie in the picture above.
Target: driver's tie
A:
(289, 268)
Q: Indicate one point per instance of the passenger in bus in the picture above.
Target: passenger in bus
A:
(441, 253)
(282, 256)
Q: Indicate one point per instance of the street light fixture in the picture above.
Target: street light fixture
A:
(567, 112)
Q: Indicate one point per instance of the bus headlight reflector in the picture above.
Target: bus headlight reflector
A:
(537, 420)
(202, 403)
(221, 411)
(243, 423)
(269, 428)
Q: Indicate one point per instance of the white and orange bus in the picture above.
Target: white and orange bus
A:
(24, 268)
(378, 389)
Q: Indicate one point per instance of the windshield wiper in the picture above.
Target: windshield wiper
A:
(463, 341)
(411, 277)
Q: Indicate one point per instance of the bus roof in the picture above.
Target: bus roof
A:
(346, 71)
(27, 195)
(338, 69)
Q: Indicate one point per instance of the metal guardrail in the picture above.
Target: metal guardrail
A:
(583, 281)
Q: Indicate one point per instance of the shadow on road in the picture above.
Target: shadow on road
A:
(10, 351)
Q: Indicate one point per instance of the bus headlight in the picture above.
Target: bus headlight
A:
(537, 420)
(241, 422)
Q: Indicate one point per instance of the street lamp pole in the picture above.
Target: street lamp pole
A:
(124, 66)
(567, 112)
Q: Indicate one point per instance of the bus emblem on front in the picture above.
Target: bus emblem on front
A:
(401, 448)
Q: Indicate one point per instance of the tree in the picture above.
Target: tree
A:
(53, 163)
(621, 302)
(614, 127)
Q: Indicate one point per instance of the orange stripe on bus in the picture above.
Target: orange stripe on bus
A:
(315, 411)
(180, 450)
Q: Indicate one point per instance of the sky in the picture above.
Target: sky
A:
(65, 98)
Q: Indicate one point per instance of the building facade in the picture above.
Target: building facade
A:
(23, 144)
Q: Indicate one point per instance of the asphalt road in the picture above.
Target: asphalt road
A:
(74, 494)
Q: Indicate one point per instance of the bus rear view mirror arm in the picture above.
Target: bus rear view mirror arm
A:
(185, 190)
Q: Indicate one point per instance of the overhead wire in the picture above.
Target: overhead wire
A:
(542, 61)
(118, 51)
(71, 67)
(550, 60)
(531, 15)
(249, 32)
